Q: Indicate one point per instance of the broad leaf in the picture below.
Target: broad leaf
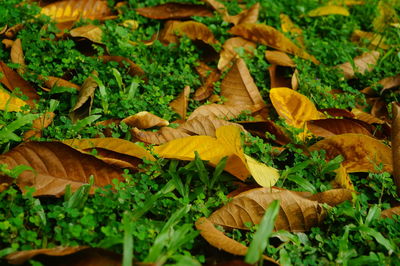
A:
(222, 111)
(279, 58)
(330, 127)
(91, 32)
(205, 125)
(161, 136)
(209, 76)
(144, 120)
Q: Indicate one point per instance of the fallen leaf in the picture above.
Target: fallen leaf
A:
(342, 178)
(209, 76)
(91, 32)
(361, 153)
(228, 53)
(179, 105)
(278, 77)
(134, 69)
(375, 40)
(217, 239)
(297, 214)
(131, 24)
(84, 103)
(279, 58)
(264, 175)
(39, 124)
(388, 213)
(17, 56)
(396, 145)
(68, 10)
(338, 113)
(295, 80)
(246, 16)
(55, 166)
(363, 63)
(51, 82)
(222, 111)
(12, 80)
(205, 125)
(328, 10)
(331, 126)
(7, 43)
(174, 11)
(260, 128)
(346, 2)
(113, 144)
(116, 159)
(3, 29)
(287, 25)
(294, 107)
(387, 15)
(144, 120)
(333, 197)
(161, 136)
(10, 102)
(386, 83)
(12, 32)
(192, 29)
(363, 116)
(271, 37)
(238, 87)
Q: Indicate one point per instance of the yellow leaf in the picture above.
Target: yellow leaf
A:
(342, 178)
(9, 102)
(328, 10)
(264, 175)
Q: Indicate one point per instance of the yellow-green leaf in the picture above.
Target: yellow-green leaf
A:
(328, 10)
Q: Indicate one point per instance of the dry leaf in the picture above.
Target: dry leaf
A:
(330, 127)
(193, 30)
(388, 213)
(278, 77)
(209, 76)
(7, 43)
(338, 113)
(269, 36)
(85, 99)
(396, 145)
(3, 29)
(144, 120)
(161, 136)
(131, 24)
(9, 102)
(279, 58)
(375, 40)
(287, 25)
(361, 153)
(68, 10)
(179, 105)
(229, 53)
(12, 80)
(296, 214)
(264, 175)
(246, 16)
(113, 144)
(17, 56)
(51, 82)
(222, 111)
(260, 128)
(55, 166)
(91, 32)
(328, 10)
(363, 63)
(295, 80)
(238, 87)
(217, 239)
(387, 15)
(39, 124)
(294, 107)
(116, 159)
(386, 83)
(342, 178)
(12, 32)
(205, 125)
(367, 118)
(174, 11)
(134, 69)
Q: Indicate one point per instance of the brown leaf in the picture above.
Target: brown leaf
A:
(279, 58)
(205, 125)
(246, 16)
(55, 166)
(209, 76)
(269, 36)
(297, 214)
(12, 80)
(386, 83)
(144, 120)
(68, 10)
(161, 136)
(134, 69)
(217, 239)
(11, 32)
(330, 127)
(17, 56)
(85, 99)
(3, 29)
(238, 87)
(91, 32)
(363, 63)
(342, 179)
(336, 112)
(333, 197)
(375, 40)
(222, 111)
(287, 25)
(260, 128)
(174, 11)
(192, 29)
(295, 80)
(363, 116)
(278, 77)
(396, 145)
(229, 53)
(116, 159)
(179, 105)
(361, 153)
(7, 43)
(51, 82)
(39, 124)
(388, 213)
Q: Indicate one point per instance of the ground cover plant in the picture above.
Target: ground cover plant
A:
(199, 132)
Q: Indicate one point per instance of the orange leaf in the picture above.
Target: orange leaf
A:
(330, 127)
(179, 105)
(388, 213)
(144, 120)
(367, 118)
(386, 83)
(229, 53)
(246, 16)
(39, 124)
(55, 166)
(279, 58)
(91, 32)
(342, 178)
(361, 153)
(363, 63)
(269, 36)
(174, 11)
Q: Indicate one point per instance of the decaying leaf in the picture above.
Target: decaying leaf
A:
(9, 102)
(363, 63)
(7, 43)
(12, 80)
(375, 40)
(179, 105)
(342, 178)
(386, 83)
(51, 82)
(238, 87)
(192, 29)
(396, 145)
(229, 50)
(133, 69)
(388, 213)
(68, 10)
(260, 128)
(332, 197)
(287, 25)
(294, 107)
(91, 32)
(361, 153)
(222, 111)
(85, 99)
(387, 15)
(205, 125)
(174, 11)
(209, 76)
(279, 58)
(144, 120)
(161, 136)
(39, 124)
(328, 10)
(246, 16)
(269, 36)
(367, 118)
(337, 113)
(56, 165)
(278, 77)
(217, 239)
(113, 144)
(297, 214)
(331, 126)
(17, 55)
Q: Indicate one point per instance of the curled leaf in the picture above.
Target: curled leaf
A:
(179, 105)
(342, 178)
(209, 76)
(388, 213)
(279, 58)
(264, 175)
(91, 32)
(192, 29)
(278, 76)
(205, 125)
(174, 11)
(229, 50)
(51, 82)
(144, 120)
(367, 118)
